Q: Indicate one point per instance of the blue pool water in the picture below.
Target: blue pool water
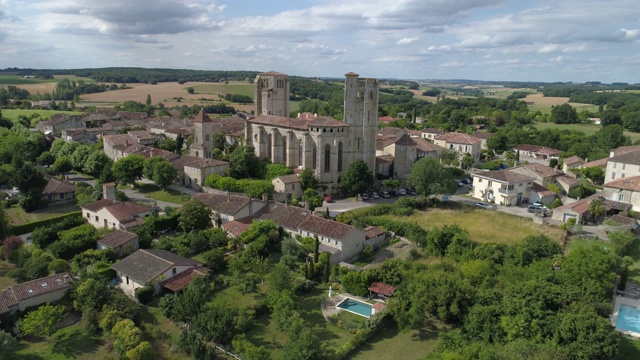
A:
(357, 307)
(628, 319)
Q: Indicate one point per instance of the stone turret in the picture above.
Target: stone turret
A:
(271, 94)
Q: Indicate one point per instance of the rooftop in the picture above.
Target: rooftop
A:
(626, 183)
(289, 217)
(325, 227)
(14, 294)
(223, 204)
(116, 238)
(302, 122)
(146, 265)
(382, 288)
(503, 176)
(458, 138)
(180, 281)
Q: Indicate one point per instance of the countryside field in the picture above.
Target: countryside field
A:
(538, 102)
(585, 128)
(12, 114)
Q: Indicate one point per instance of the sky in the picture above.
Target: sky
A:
(502, 40)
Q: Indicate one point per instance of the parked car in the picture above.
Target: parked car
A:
(328, 199)
(385, 194)
(460, 184)
(412, 192)
(402, 191)
(365, 196)
(465, 181)
(395, 192)
(375, 195)
(535, 208)
(483, 205)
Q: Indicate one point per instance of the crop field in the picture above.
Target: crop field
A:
(585, 128)
(12, 114)
(538, 102)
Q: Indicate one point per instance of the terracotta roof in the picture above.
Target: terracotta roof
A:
(180, 281)
(582, 206)
(116, 238)
(289, 217)
(373, 231)
(541, 190)
(237, 227)
(631, 157)
(426, 146)
(202, 117)
(624, 220)
(13, 295)
(57, 186)
(126, 210)
(97, 205)
(289, 179)
(389, 130)
(503, 176)
(537, 149)
(625, 149)
(571, 182)
(325, 227)
(200, 163)
(378, 306)
(540, 170)
(146, 265)
(596, 163)
(573, 160)
(302, 122)
(627, 183)
(432, 131)
(224, 204)
(458, 138)
(141, 135)
(382, 288)
(386, 119)
(482, 135)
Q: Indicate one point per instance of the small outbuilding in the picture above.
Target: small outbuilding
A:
(382, 290)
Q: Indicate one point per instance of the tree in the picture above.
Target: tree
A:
(280, 279)
(46, 159)
(126, 336)
(245, 164)
(564, 114)
(96, 163)
(179, 143)
(621, 241)
(58, 266)
(148, 101)
(8, 344)
(312, 198)
(586, 334)
(498, 143)
(62, 165)
(80, 156)
(428, 177)
(595, 174)
(308, 179)
(4, 223)
(30, 181)
(275, 170)
(41, 321)
(611, 136)
(160, 171)
(128, 169)
(191, 90)
(357, 178)
(11, 246)
(144, 351)
(168, 144)
(219, 140)
(194, 215)
(596, 209)
(302, 344)
(74, 241)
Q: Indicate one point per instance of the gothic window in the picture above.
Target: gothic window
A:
(327, 158)
(314, 157)
(269, 147)
(299, 153)
(284, 150)
(340, 156)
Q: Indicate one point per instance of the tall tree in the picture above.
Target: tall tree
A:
(428, 176)
(128, 169)
(308, 179)
(245, 164)
(194, 215)
(357, 178)
(31, 183)
(41, 321)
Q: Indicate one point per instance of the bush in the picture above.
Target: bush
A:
(144, 294)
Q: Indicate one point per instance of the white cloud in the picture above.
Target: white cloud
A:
(406, 41)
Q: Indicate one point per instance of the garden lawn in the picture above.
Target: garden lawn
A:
(5, 281)
(154, 192)
(17, 216)
(629, 349)
(483, 226)
(392, 343)
(634, 269)
(160, 332)
(68, 343)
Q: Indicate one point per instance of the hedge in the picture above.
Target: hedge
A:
(27, 228)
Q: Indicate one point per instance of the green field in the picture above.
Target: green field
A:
(12, 114)
(546, 109)
(17, 216)
(585, 128)
(19, 80)
(69, 343)
(503, 93)
(225, 89)
(483, 226)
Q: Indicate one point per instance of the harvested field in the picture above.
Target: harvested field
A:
(538, 102)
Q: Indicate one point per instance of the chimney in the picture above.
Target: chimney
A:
(66, 279)
(109, 191)
(298, 114)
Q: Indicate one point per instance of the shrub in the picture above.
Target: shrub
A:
(144, 294)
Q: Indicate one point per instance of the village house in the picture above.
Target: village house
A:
(431, 133)
(228, 208)
(483, 136)
(401, 149)
(572, 162)
(463, 144)
(625, 190)
(287, 187)
(623, 164)
(375, 235)
(579, 210)
(111, 213)
(33, 293)
(235, 228)
(58, 191)
(150, 267)
(537, 152)
(502, 187)
(120, 241)
(287, 217)
(343, 242)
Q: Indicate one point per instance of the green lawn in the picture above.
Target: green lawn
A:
(634, 269)
(392, 343)
(482, 225)
(5, 281)
(68, 343)
(154, 192)
(629, 349)
(12, 114)
(17, 216)
(160, 332)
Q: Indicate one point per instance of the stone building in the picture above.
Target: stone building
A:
(323, 144)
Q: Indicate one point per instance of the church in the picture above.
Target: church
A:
(323, 144)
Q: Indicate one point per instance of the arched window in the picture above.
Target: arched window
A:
(340, 156)
(284, 150)
(314, 157)
(299, 153)
(327, 158)
(269, 146)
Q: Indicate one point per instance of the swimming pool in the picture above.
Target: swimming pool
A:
(628, 319)
(356, 307)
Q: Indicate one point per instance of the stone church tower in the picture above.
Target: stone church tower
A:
(202, 136)
(361, 115)
(271, 94)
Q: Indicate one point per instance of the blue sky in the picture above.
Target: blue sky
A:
(535, 40)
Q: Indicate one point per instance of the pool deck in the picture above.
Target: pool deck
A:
(621, 300)
(331, 308)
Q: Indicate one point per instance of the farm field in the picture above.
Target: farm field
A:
(12, 114)
(476, 221)
(585, 128)
(35, 86)
(538, 102)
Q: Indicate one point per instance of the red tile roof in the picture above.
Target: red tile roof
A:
(180, 281)
(627, 183)
(202, 117)
(378, 306)
(13, 295)
(573, 160)
(382, 288)
(289, 179)
(503, 176)
(373, 231)
(325, 227)
(57, 186)
(237, 227)
(458, 138)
